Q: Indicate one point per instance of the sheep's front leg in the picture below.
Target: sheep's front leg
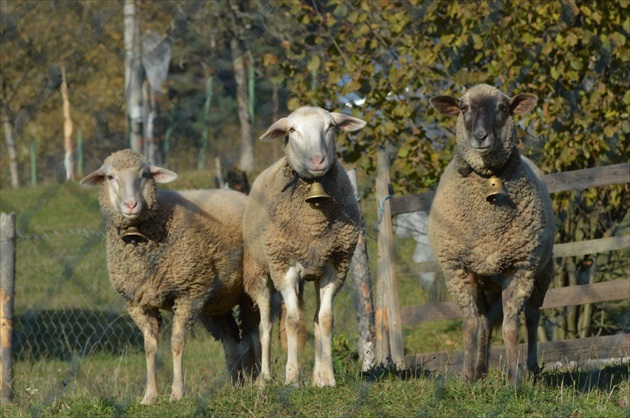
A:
(149, 323)
(183, 320)
(515, 295)
(483, 338)
(462, 287)
(326, 288)
(289, 292)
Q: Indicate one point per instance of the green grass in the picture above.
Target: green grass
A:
(81, 356)
(95, 393)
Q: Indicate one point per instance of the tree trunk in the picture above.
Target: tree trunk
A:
(68, 161)
(275, 108)
(242, 98)
(10, 140)
(133, 74)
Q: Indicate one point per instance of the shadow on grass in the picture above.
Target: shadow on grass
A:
(60, 334)
(581, 379)
(390, 371)
(587, 379)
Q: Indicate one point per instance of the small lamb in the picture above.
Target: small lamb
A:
(492, 227)
(179, 251)
(295, 234)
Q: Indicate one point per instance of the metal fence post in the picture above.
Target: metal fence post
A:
(7, 282)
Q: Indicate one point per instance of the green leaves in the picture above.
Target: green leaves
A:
(396, 56)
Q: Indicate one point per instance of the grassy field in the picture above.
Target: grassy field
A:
(64, 299)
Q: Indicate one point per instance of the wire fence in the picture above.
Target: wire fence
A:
(65, 305)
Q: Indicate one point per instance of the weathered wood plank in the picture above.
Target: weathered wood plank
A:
(593, 246)
(551, 353)
(386, 270)
(411, 203)
(587, 293)
(564, 296)
(556, 182)
(589, 177)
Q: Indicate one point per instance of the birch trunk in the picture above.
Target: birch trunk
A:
(242, 98)
(10, 140)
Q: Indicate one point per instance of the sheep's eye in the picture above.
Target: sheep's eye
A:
(291, 130)
(465, 108)
(110, 177)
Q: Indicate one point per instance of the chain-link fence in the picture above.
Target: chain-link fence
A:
(65, 307)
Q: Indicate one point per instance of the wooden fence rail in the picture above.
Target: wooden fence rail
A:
(612, 346)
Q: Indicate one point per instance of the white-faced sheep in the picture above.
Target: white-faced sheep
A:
(291, 236)
(492, 227)
(179, 251)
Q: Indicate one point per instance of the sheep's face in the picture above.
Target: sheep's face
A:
(485, 128)
(309, 138)
(128, 182)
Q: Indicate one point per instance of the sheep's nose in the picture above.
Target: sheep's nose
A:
(318, 159)
(131, 205)
(481, 135)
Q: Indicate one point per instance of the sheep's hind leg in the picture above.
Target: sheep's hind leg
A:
(148, 322)
(290, 295)
(228, 333)
(263, 301)
(326, 288)
(532, 318)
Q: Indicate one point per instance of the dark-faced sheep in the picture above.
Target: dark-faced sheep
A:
(179, 251)
(292, 235)
(492, 227)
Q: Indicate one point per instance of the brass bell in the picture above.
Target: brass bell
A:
(132, 234)
(497, 189)
(316, 193)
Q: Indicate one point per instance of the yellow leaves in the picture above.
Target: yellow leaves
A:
(293, 103)
(571, 39)
(313, 63)
(477, 41)
(609, 131)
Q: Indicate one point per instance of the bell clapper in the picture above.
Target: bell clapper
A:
(132, 234)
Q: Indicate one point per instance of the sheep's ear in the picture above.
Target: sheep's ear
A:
(347, 123)
(446, 105)
(162, 175)
(275, 131)
(522, 103)
(94, 179)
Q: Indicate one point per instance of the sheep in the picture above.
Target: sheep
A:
(289, 240)
(178, 251)
(492, 228)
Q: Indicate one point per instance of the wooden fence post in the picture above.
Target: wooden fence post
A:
(362, 282)
(7, 281)
(388, 323)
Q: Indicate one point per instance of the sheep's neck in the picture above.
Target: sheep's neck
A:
(465, 169)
